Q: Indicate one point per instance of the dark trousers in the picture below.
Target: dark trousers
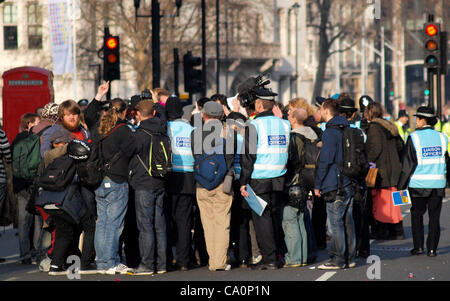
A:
(130, 234)
(199, 239)
(66, 237)
(311, 239)
(240, 229)
(182, 216)
(277, 207)
(418, 209)
(361, 219)
(319, 222)
(264, 231)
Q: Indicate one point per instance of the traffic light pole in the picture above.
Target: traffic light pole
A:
(204, 47)
(176, 62)
(156, 47)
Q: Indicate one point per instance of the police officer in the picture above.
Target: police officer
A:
(181, 183)
(266, 145)
(402, 124)
(424, 173)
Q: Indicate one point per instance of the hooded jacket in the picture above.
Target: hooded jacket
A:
(327, 178)
(384, 145)
(139, 177)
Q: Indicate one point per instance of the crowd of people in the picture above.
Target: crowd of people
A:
(177, 182)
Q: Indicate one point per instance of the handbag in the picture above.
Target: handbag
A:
(371, 177)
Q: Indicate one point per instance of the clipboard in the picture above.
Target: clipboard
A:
(255, 202)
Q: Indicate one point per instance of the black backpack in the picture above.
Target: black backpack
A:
(58, 175)
(92, 171)
(160, 155)
(309, 157)
(355, 164)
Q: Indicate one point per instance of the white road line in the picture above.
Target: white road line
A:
(326, 276)
(12, 279)
(32, 272)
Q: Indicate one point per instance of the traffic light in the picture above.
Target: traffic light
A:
(111, 58)
(391, 91)
(193, 82)
(432, 58)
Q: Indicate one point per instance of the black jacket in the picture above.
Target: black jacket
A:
(139, 177)
(121, 140)
(259, 186)
(20, 184)
(383, 148)
(409, 164)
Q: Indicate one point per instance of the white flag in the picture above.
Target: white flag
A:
(60, 35)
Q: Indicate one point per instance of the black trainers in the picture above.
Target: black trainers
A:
(88, 270)
(431, 253)
(331, 266)
(141, 271)
(56, 271)
(2, 260)
(418, 251)
(27, 261)
(266, 266)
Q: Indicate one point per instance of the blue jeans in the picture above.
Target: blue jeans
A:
(294, 236)
(343, 240)
(150, 219)
(30, 244)
(112, 201)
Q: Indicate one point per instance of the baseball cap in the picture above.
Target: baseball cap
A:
(213, 109)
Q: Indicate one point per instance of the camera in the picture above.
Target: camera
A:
(246, 90)
(146, 94)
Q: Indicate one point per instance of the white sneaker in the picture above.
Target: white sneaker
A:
(256, 259)
(110, 271)
(44, 265)
(122, 269)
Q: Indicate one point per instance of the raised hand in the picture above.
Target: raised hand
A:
(102, 90)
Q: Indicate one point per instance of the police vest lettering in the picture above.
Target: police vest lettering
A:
(180, 137)
(430, 147)
(237, 157)
(272, 147)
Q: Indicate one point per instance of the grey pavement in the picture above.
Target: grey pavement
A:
(396, 263)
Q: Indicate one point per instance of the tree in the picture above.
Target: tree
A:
(182, 32)
(334, 20)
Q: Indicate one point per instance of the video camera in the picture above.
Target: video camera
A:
(246, 93)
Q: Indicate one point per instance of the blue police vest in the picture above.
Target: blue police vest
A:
(272, 147)
(237, 157)
(430, 148)
(180, 137)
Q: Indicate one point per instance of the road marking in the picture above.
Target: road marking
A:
(12, 279)
(32, 272)
(326, 276)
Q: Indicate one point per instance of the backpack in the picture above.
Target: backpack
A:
(309, 156)
(210, 168)
(355, 164)
(58, 175)
(92, 171)
(160, 157)
(27, 156)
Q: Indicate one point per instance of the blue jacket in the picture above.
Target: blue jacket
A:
(327, 178)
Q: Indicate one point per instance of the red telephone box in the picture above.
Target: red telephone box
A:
(24, 90)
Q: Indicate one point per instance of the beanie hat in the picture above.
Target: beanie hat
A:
(174, 108)
(50, 112)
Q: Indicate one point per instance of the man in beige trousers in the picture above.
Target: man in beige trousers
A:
(214, 204)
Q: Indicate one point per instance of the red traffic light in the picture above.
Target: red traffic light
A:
(431, 45)
(112, 58)
(111, 43)
(431, 30)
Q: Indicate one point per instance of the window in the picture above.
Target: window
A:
(9, 30)
(9, 14)
(34, 26)
(10, 37)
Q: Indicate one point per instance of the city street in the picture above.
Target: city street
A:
(396, 263)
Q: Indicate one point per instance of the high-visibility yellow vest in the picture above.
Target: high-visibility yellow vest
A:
(404, 134)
